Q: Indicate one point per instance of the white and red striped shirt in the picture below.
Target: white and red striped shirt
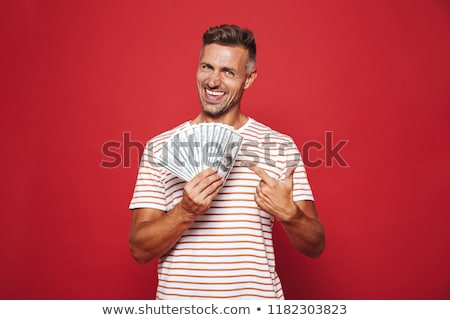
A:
(228, 251)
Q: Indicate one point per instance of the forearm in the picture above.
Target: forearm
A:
(305, 233)
(152, 239)
(154, 232)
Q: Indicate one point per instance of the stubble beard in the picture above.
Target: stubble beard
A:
(216, 111)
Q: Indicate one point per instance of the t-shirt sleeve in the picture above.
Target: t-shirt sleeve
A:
(302, 189)
(149, 190)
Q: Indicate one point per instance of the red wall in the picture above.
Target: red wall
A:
(76, 75)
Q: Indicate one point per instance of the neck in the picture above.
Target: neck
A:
(235, 119)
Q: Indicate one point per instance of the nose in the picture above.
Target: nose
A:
(214, 80)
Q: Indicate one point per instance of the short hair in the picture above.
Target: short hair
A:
(232, 35)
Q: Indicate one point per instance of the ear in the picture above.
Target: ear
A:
(250, 79)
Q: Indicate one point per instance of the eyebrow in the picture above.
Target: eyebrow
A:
(222, 68)
(229, 69)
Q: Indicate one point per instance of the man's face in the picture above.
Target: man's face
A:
(222, 78)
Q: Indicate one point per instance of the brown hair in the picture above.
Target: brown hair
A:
(232, 35)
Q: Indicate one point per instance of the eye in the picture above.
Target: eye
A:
(206, 67)
(229, 73)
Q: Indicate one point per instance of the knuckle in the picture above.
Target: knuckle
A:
(263, 189)
(209, 179)
(272, 183)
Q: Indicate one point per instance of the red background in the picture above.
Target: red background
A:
(77, 74)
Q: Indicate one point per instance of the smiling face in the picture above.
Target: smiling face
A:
(222, 78)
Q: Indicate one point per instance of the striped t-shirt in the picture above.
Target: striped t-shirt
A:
(228, 251)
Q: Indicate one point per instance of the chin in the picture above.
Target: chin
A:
(214, 112)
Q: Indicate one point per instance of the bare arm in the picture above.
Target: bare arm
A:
(154, 232)
(299, 219)
(305, 230)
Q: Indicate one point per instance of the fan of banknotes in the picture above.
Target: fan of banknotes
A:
(201, 146)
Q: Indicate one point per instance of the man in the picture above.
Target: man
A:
(214, 239)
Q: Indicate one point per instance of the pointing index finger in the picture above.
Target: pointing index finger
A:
(262, 174)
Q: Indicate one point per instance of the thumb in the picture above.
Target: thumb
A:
(290, 171)
(289, 175)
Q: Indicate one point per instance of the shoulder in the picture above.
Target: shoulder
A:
(259, 131)
(160, 138)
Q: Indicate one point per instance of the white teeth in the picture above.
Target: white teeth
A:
(215, 93)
